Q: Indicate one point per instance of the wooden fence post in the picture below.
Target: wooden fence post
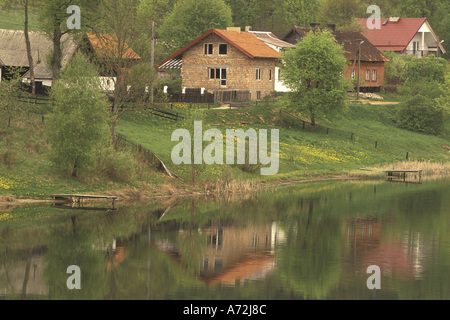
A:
(351, 137)
(376, 144)
(407, 155)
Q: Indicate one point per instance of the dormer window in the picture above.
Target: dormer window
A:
(223, 49)
(208, 48)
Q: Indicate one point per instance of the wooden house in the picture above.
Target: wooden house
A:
(104, 51)
(13, 54)
(228, 61)
(371, 60)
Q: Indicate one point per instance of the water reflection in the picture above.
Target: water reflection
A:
(300, 242)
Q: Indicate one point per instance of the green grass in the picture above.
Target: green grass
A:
(13, 18)
(29, 173)
(303, 153)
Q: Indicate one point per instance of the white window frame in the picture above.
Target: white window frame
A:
(374, 75)
(367, 75)
(258, 73)
(208, 49)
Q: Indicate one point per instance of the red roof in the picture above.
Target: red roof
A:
(107, 45)
(245, 42)
(393, 36)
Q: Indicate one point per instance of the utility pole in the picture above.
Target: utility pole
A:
(152, 57)
(438, 48)
(360, 42)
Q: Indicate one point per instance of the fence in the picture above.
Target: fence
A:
(349, 134)
(196, 96)
(151, 158)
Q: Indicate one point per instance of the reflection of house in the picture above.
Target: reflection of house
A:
(371, 61)
(237, 254)
(233, 254)
(404, 35)
(229, 61)
(13, 54)
(401, 257)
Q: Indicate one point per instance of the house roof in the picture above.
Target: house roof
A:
(13, 50)
(348, 39)
(394, 36)
(106, 45)
(270, 38)
(245, 42)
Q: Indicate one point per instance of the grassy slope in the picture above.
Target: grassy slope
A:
(302, 153)
(13, 18)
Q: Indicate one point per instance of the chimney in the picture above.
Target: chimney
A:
(238, 29)
(331, 27)
(248, 28)
(315, 26)
(394, 18)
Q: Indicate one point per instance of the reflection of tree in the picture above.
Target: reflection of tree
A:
(310, 262)
(74, 246)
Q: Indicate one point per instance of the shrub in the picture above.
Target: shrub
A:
(116, 165)
(420, 114)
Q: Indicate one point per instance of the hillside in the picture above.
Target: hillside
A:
(26, 171)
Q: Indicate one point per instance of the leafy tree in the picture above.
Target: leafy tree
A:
(116, 32)
(78, 124)
(10, 91)
(342, 13)
(302, 12)
(53, 18)
(313, 73)
(244, 12)
(191, 18)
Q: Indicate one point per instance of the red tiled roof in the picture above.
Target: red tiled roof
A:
(244, 41)
(393, 36)
(106, 45)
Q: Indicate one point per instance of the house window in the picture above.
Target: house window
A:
(223, 49)
(353, 73)
(218, 73)
(367, 75)
(208, 48)
(258, 73)
(374, 75)
(258, 95)
(270, 74)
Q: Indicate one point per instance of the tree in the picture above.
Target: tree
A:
(191, 18)
(116, 32)
(53, 18)
(342, 13)
(313, 73)
(78, 124)
(9, 95)
(302, 12)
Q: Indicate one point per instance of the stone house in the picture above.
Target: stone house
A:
(228, 61)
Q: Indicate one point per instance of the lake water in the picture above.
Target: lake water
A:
(304, 241)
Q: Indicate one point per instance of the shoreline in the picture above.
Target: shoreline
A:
(12, 201)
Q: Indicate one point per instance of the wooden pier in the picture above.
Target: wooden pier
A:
(402, 173)
(78, 198)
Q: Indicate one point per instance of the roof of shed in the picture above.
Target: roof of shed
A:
(107, 45)
(13, 50)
